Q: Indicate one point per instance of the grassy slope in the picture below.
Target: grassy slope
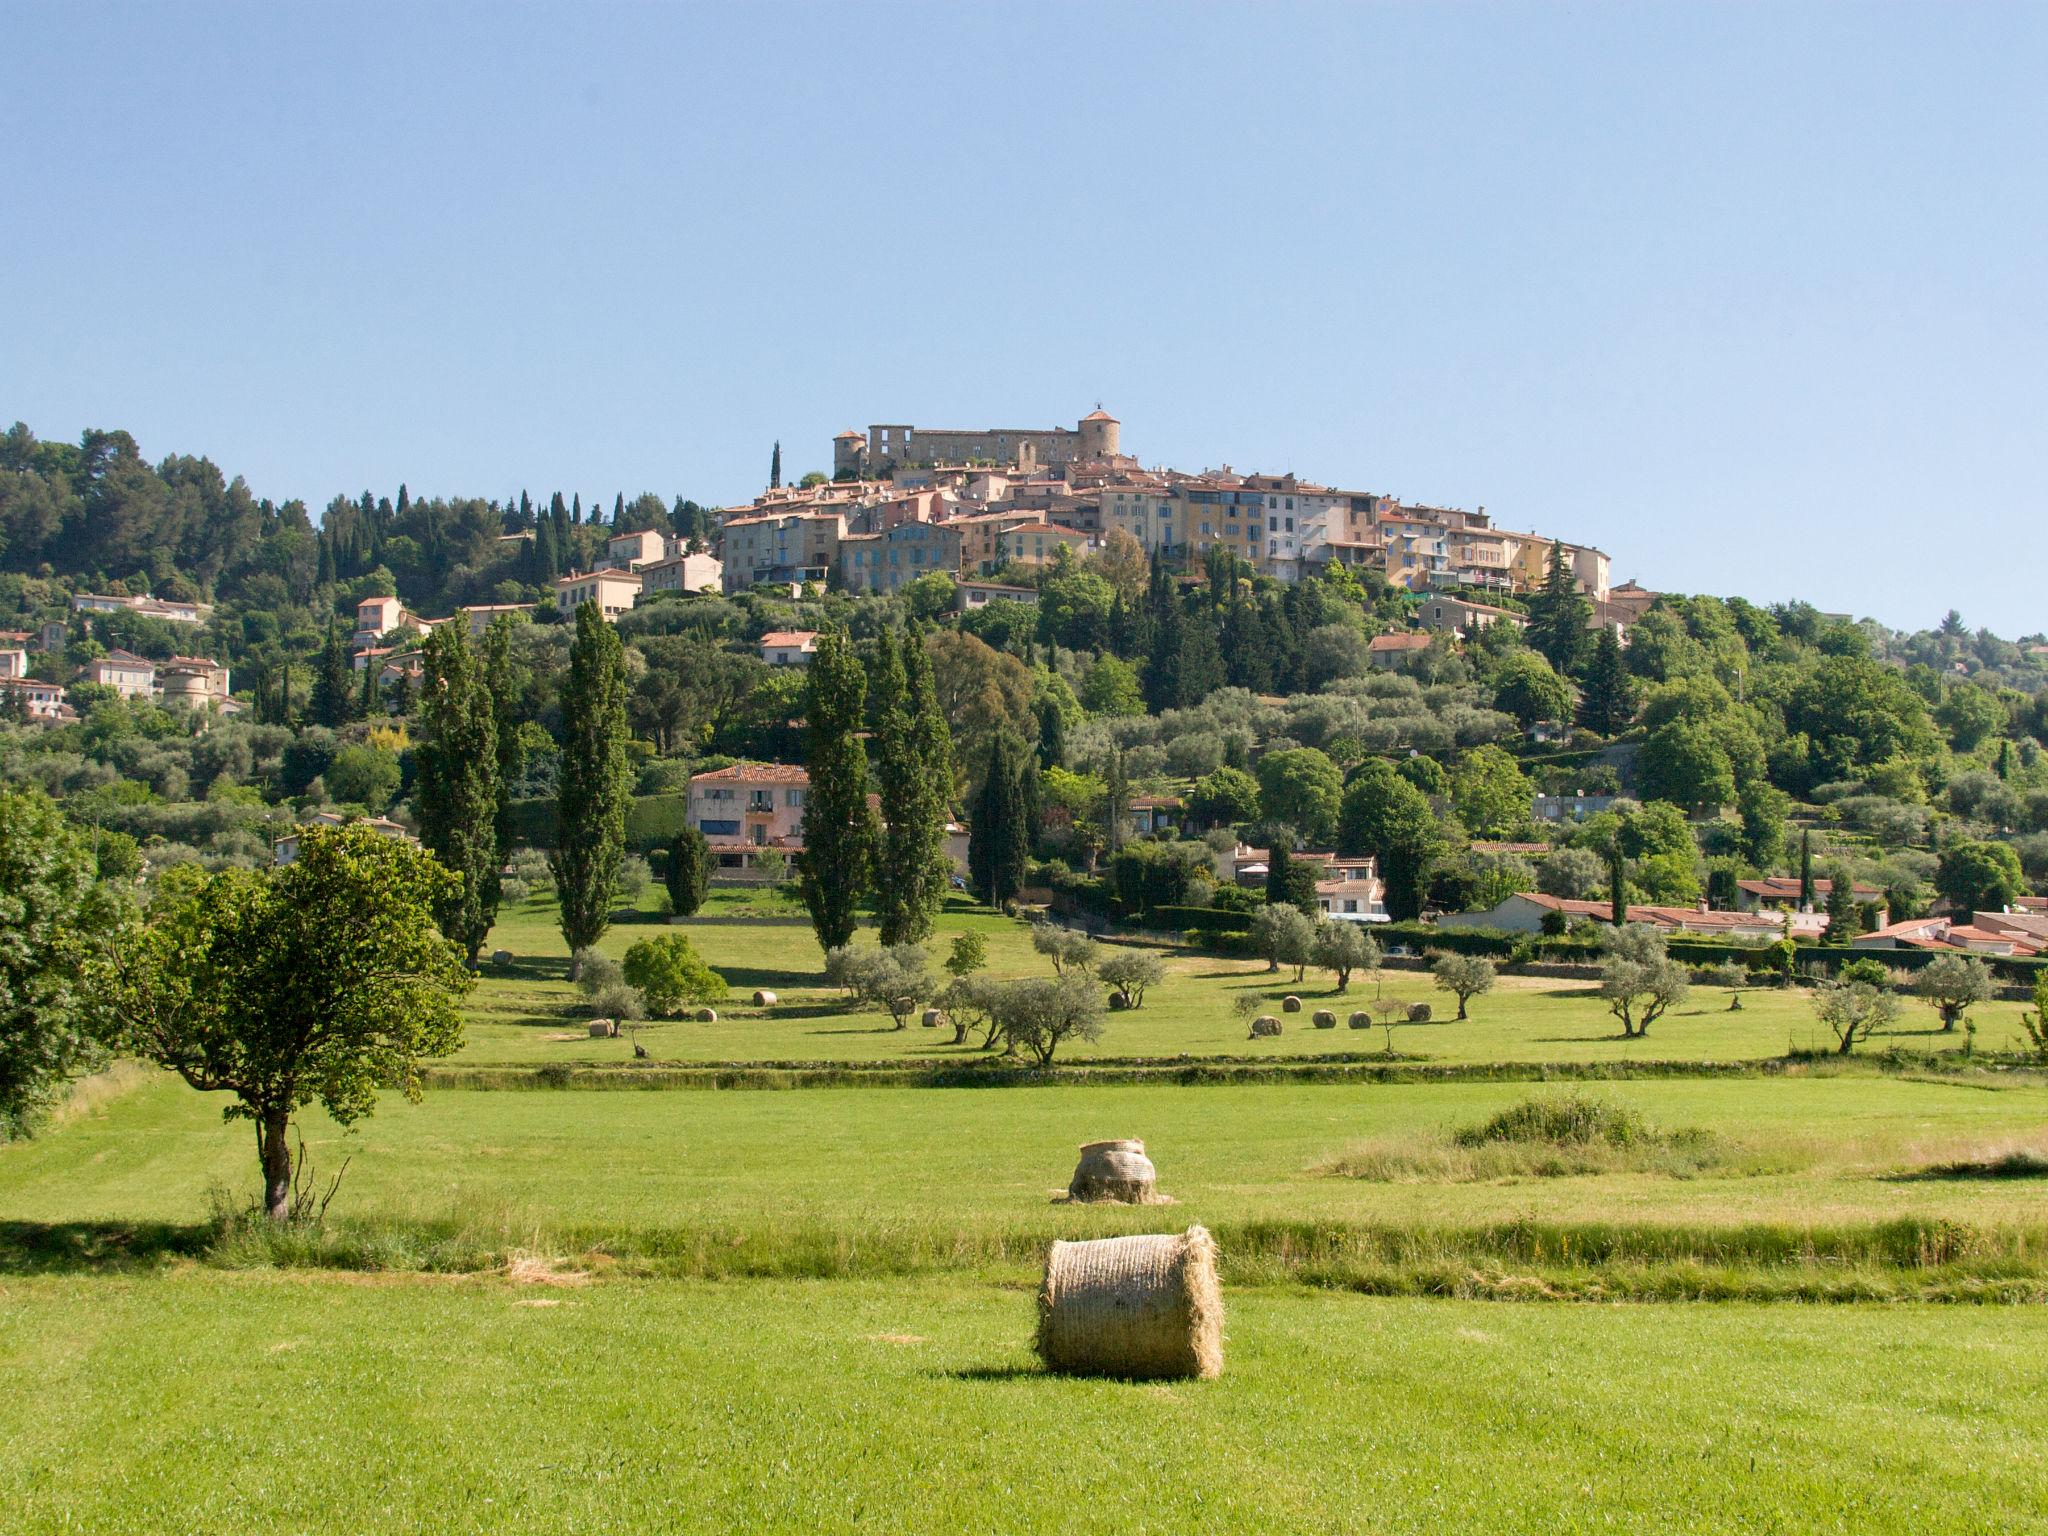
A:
(520, 1016)
(986, 1160)
(264, 1403)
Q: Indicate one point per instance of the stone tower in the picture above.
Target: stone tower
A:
(1100, 435)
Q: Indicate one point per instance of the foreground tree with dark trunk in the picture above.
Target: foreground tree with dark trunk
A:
(324, 980)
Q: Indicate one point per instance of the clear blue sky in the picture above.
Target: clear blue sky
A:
(1753, 297)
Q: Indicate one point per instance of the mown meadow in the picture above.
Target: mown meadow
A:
(1684, 1283)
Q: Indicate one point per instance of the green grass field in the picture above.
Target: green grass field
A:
(809, 1309)
(526, 1014)
(249, 1403)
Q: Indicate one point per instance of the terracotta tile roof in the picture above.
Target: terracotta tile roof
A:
(754, 773)
(799, 637)
(1398, 643)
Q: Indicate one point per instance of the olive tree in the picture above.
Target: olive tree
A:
(1067, 948)
(1951, 983)
(1464, 976)
(1854, 1010)
(1284, 935)
(1341, 948)
(1639, 980)
(324, 980)
(1128, 972)
(1040, 1013)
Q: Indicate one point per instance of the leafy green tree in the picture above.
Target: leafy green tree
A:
(455, 790)
(1607, 701)
(1285, 935)
(1980, 877)
(1559, 616)
(1762, 808)
(1052, 733)
(1287, 883)
(688, 876)
(1302, 788)
(839, 829)
(1226, 797)
(1844, 919)
(595, 784)
(1039, 1014)
(58, 928)
(1529, 688)
(671, 975)
(1110, 687)
(1492, 795)
(325, 980)
(1384, 815)
(968, 955)
(364, 775)
(1684, 762)
(333, 703)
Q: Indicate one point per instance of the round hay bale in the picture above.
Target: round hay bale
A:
(1418, 1013)
(933, 1018)
(1290, 1004)
(501, 957)
(603, 1029)
(1133, 1306)
(1264, 1024)
(706, 1015)
(764, 999)
(1324, 1019)
(1360, 1021)
(1115, 1170)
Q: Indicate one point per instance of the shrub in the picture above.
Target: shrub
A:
(1569, 1119)
(669, 972)
(688, 875)
(1866, 970)
(595, 971)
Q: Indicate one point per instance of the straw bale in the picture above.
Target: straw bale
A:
(1290, 1004)
(764, 999)
(934, 1017)
(1360, 1021)
(1418, 1013)
(1145, 1306)
(707, 1015)
(604, 1029)
(1264, 1024)
(1115, 1170)
(501, 957)
(1324, 1019)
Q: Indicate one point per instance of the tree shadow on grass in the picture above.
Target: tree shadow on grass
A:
(527, 968)
(96, 1247)
(745, 978)
(2008, 1165)
(996, 1373)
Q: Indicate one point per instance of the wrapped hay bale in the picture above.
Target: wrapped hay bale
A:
(1418, 1013)
(1115, 1170)
(1265, 1024)
(707, 1015)
(1361, 1021)
(1133, 1306)
(933, 1018)
(1290, 1004)
(1324, 1019)
(764, 999)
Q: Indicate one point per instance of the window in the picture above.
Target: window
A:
(792, 797)
(1290, 525)
(719, 828)
(1272, 525)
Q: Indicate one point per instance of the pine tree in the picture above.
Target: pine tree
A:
(455, 791)
(775, 467)
(1607, 703)
(1558, 616)
(333, 701)
(916, 773)
(590, 807)
(839, 829)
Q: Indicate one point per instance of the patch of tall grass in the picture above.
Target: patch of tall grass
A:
(1568, 1135)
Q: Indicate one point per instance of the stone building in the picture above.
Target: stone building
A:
(892, 445)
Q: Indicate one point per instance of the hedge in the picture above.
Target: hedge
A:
(1199, 919)
(652, 821)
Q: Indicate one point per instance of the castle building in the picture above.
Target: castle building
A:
(892, 445)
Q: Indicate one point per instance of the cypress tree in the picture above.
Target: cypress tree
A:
(839, 829)
(284, 694)
(1617, 890)
(590, 808)
(996, 842)
(326, 577)
(1844, 921)
(455, 791)
(619, 512)
(333, 701)
(576, 510)
(916, 773)
(370, 701)
(547, 563)
(1201, 663)
(775, 467)
(1806, 871)
(689, 871)
(1052, 734)
(1279, 872)
(1116, 800)
(501, 678)
(1161, 681)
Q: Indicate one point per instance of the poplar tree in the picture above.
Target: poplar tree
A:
(916, 773)
(456, 791)
(501, 678)
(333, 701)
(590, 809)
(839, 828)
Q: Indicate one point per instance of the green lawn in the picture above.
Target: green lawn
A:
(873, 1161)
(526, 1015)
(258, 1403)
